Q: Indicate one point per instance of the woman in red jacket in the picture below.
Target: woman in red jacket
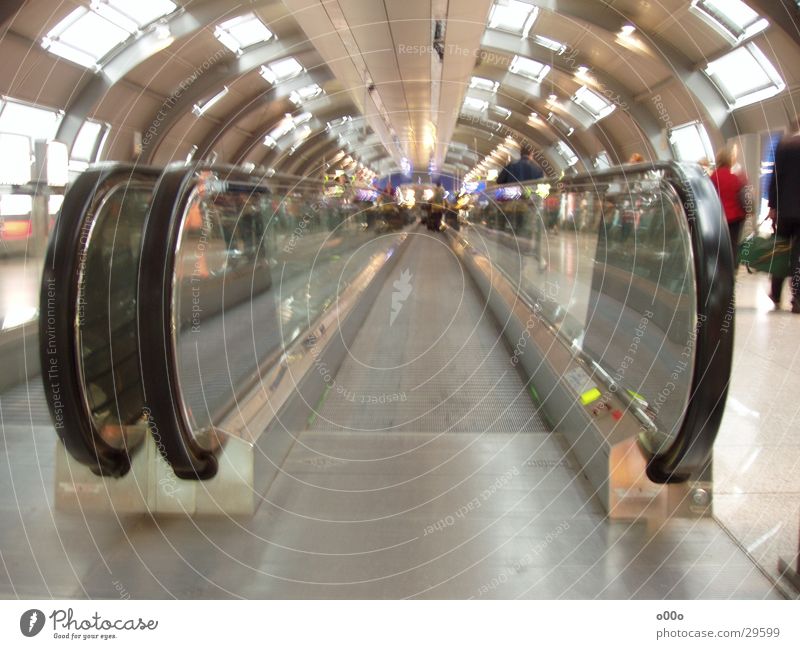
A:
(730, 187)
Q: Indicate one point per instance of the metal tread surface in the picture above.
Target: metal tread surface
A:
(429, 357)
(354, 515)
(25, 405)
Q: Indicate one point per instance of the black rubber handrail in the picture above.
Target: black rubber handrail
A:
(58, 339)
(163, 399)
(713, 262)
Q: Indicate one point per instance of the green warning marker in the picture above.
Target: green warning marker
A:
(637, 396)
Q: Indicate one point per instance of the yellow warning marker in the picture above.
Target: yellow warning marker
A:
(590, 396)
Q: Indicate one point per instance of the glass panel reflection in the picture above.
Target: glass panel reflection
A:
(256, 265)
(106, 313)
(610, 265)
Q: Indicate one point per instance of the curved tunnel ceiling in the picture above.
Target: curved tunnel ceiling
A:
(653, 75)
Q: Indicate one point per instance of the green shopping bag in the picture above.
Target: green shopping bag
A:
(770, 254)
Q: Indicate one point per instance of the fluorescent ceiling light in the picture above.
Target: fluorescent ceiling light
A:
(242, 32)
(484, 84)
(745, 76)
(282, 70)
(302, 133)
(513, 16)
(339, 121)
(503, 112)
(733, 18)
(286, 126)
(594, 104)
(529, 68)
(550, 44)
(305, 93)
(473, 103)
(200, 109)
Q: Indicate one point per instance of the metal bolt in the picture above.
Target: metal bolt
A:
(701, 497)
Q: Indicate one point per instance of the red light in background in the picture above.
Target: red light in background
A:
(15, 230)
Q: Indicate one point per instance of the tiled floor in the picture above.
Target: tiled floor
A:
(757, 454)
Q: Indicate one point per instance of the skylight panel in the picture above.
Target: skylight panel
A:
(745, 76)
(550, 44)
(133, 14)
(602, 161)
(513, 16)
(200, 109)
(15, 163)
(83, 149)
(484, 84)
(593, 103)
(242, 32)
(84, 37)
(282, 70)
(733, 18)
(339, 121)
(305, 93)
(502, 112)
(690, 143)
(529, 68)
(32, 121)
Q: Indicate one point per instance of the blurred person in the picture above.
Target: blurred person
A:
(731, 188)
(437, 206)
(784, 204)
(636, 158)
(520, 171)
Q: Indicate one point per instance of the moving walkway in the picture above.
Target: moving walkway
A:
(415, 404)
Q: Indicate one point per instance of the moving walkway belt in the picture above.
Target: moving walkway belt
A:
(211, 246)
